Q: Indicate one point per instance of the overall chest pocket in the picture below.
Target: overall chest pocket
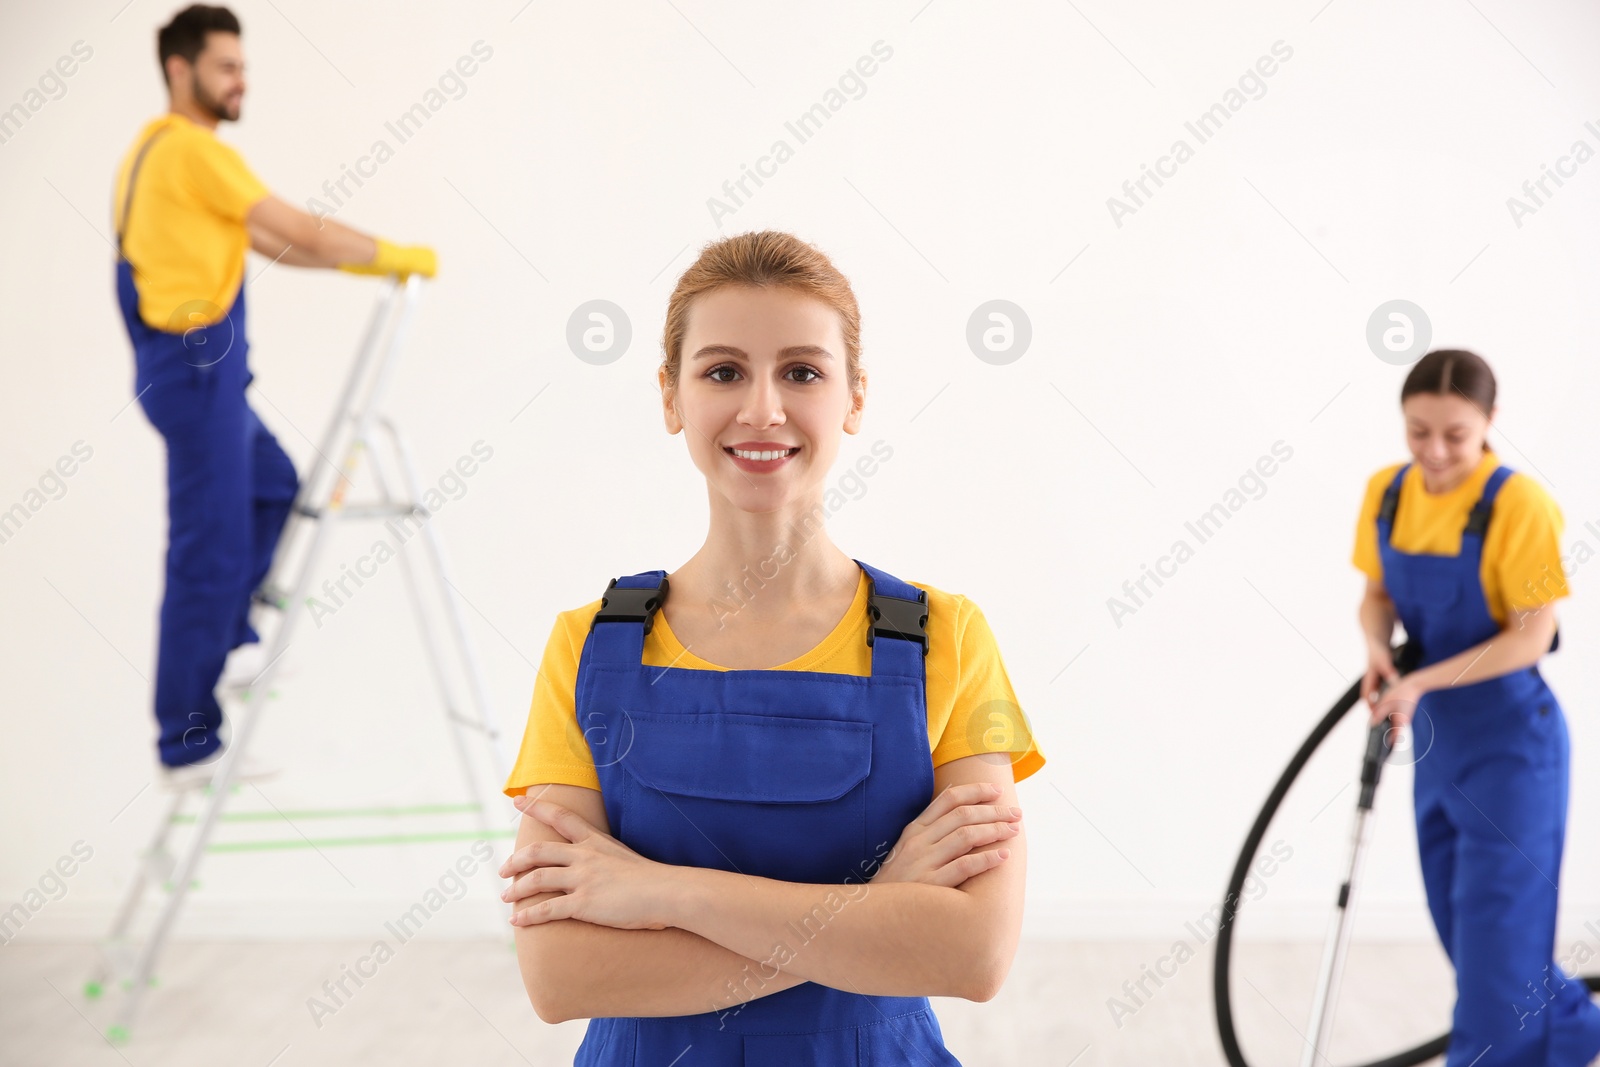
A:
(1421, 585)
(767, 795)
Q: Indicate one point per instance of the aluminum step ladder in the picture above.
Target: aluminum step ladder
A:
(319, 506)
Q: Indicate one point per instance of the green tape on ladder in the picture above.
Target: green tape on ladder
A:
(339, 813)
(341, 842)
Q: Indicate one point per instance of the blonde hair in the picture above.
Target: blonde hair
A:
(756, 260)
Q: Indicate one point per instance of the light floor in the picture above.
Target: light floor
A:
(461, 1002)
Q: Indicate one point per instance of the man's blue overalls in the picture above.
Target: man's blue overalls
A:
(229, 489)
(800, 776)
(1491, 811)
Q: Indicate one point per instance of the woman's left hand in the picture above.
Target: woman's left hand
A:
(602, 881)
(1398, 703)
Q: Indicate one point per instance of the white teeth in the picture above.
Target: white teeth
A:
(742, 454)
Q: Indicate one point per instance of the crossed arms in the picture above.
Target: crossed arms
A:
(893, 938)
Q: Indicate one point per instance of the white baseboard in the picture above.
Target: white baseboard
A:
(1268, 921)
(474, 916)
(279, 920)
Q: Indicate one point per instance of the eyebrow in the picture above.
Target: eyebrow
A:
(791, 352)
(1419, 425)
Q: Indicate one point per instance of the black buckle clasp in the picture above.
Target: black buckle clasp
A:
(625, 604)
(892, 616)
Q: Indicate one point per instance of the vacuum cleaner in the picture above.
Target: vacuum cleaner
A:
(1378, 747)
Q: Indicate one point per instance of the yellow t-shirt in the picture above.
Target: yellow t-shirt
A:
(971, 705)
(185, 234)
(1521, 565)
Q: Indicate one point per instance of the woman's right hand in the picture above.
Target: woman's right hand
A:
(938, 846)
(1380, 669)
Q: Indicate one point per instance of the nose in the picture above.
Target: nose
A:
(762, 404)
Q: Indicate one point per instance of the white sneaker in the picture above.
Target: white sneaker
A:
(245, 664)
(252, 768)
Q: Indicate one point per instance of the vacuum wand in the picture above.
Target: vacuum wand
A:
(1380, 742)
(1379, 745)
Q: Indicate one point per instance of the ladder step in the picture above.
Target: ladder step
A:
(273, 598)
(381, 511)
(471, 724)
(367, 511)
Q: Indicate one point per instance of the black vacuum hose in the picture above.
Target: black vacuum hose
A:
(1404, 659)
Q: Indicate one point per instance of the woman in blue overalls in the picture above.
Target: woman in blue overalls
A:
(1491, 755)
(752, 807)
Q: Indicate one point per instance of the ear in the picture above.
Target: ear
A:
(858, 400)
(669, 411)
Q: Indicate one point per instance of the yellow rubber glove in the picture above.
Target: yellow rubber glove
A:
(397, 259)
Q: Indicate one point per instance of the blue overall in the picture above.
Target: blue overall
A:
(799, 776)
(1491, 808)
(229, 489)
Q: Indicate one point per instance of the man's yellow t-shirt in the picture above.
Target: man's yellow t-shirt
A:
(971, 706)
(185, 233)
(1521, 566)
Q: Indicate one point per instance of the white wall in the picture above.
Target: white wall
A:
(1168, 353)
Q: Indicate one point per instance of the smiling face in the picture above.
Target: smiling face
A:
(763, 391)
(1445, 433)
(215, 80)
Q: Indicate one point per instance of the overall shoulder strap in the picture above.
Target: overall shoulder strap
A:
(1391, 504)
(133, 177)
(628, 608)
(896, 610)
(1478, 521)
